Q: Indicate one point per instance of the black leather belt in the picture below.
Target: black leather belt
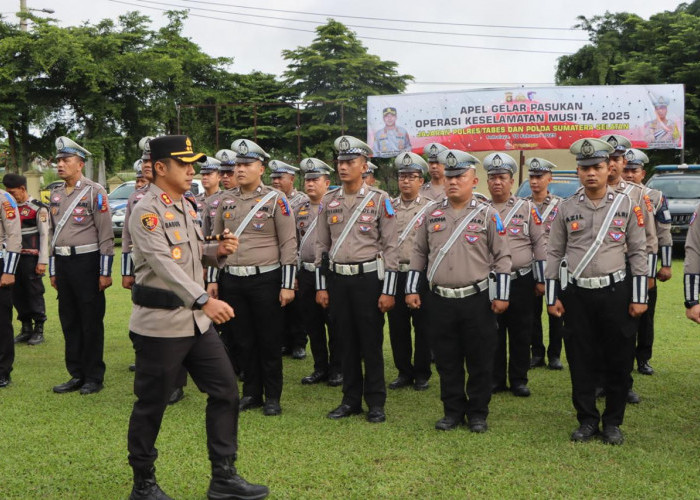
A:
(155, 298)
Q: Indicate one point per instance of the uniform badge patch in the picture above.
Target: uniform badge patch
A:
(334, 219)
(259, 215)
(54, 210)
(438, 227)
(102, 202)
(149, 221)
(647, 201)
(166, 199)
(302, 223)
(514, 230)
(640, 216)
(56, 199)
(43, 217)
(227, 215)
(25, 211)
(618, 222)
(78, 219)
(437, 213)
(333, 204)
(615, 235)
(303, 212)
(169, 215)
(536, 216)
(258, 225)
(499, 224)
(284, 206)
(575, 226)
(365, 218)
(473, 227)
(471, 238)
(79, 210)
(365, 229)
(370, 204)
(177, 253)
(10, 212)
(212, 213)
(388, 208)
(177, 235)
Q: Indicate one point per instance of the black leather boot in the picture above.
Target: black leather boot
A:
(26, 333)
(227, 484)
(38, 335)
(146, 487)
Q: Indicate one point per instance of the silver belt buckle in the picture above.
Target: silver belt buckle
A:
(596, 282)
(62, 251)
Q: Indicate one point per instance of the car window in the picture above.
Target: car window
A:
(122, 192)
(683, 187)
(563, 187)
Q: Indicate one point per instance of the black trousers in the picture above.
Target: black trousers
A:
(516, 323)
(360, 327)
(463, 330)
(81, 309)
(257, 328)
(294, 333)
(7, 338)
(645, 335)
(400, 318)
(555, 339)
(599, 336)
(28, 292)
(159, 362)
(326, 353)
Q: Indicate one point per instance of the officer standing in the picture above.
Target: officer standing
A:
(526, 238)
(691, 270)
(326, 353)
(258, 281)
(368, 177)
(209, 170)
(28, 291)
(294, 339)
(634, 172)
(141, 181)
(462, 242)
(226, 178)
(547, 204)
(356, 264)
(82, 249)
(11, 240)
(588, 285)
(409, 207)
(434, 189)
(171, 326)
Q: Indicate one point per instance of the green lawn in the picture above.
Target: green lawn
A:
(71, 446)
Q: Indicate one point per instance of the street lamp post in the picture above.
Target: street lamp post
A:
(23, 9)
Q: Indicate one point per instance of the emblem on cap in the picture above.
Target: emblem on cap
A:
(612, 141)
(433, 150)
(587, 149)
(451, 160)
(224, 156)
(630, 155)
(407, 159)
(309, 163)
(59, 144)
(535, 164)
(188, 145)
(497, 161)
(243, 148)
(344, 144)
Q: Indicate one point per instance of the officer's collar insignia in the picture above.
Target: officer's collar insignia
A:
(243, 148)
(587, 149)
(581, 197)
(610, 196)
(451, 160)
(612, 141)
(497, 161)
(535, 164)
(344, 144)
(166, 199)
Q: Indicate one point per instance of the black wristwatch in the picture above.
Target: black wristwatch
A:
(691, 303)
(201, 300)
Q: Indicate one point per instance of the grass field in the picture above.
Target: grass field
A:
(74, 447)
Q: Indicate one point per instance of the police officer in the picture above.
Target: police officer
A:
(409, 207)
(356, 247)
(258, 281)
(634, 172)
(691, 270)
(462, 243)
(526, 238)
(82, 249)
(434, 189)
(392, 139)
(368, 177)
(588, 285)
(141, 181)
(11, 241)
(28, 291)
(294, 340)
(209, 170)
(326, 353)
(171, 325)
(227, 163)
(547, 204)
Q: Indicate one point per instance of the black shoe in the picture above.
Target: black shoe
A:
(248, 403)
(343, 411)
(176, 396)
(272, 407)
(226, 484)
(286, 351)
(421, 384)
(612, 435)
(335, 379)
(521, 391)
(26, 333)
(536, 361)
(584, 433)
(498, 388)
(132, 367)
(298, 353)
(478, 425)
(645, 368)
(400, 382)
(146, 487)
(73, 384)
(314, 378)
(555, 364)
(38, 334)
(91, 388)
(448, 423)
(4, 381)
(633, 398)
(599, 392)
(376, 415)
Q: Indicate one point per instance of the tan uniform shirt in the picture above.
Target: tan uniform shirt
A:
(90, 221)
(133, 200)
(167, 253)
(10, 232)
(576, 227)
(525, 231)
(374, 231)
(432, 192)
(297, 199)
(211, 203)
(405, 212)
(636, 194)
(546, 213)
(479, 250)
(662, 217)
(306, 231)
(269, 238)
(692, 246)
(34, 218)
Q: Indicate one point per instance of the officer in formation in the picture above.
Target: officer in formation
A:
(368, 177)
(547, 204)
(258, 280)
(634, 172)
(356, 261)
(410, 207)
(80, 266)
(11, 241)
(28, 291)
(526, 239)
(141, 181)
(282, 176)
(462, 242)
(593, 235)
(434, 189)
(691, 270)
(171, 325)
(209, 170)
(226, 162)
(325, 349)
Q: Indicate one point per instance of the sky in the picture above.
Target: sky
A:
(233, 28)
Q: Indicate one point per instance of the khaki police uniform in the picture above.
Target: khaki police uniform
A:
(691, 265)
(211, 203)
(127, 245)
(11, 240)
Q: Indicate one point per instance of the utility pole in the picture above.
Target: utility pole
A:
(24, 10)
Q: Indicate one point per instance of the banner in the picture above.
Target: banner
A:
(650, 116)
